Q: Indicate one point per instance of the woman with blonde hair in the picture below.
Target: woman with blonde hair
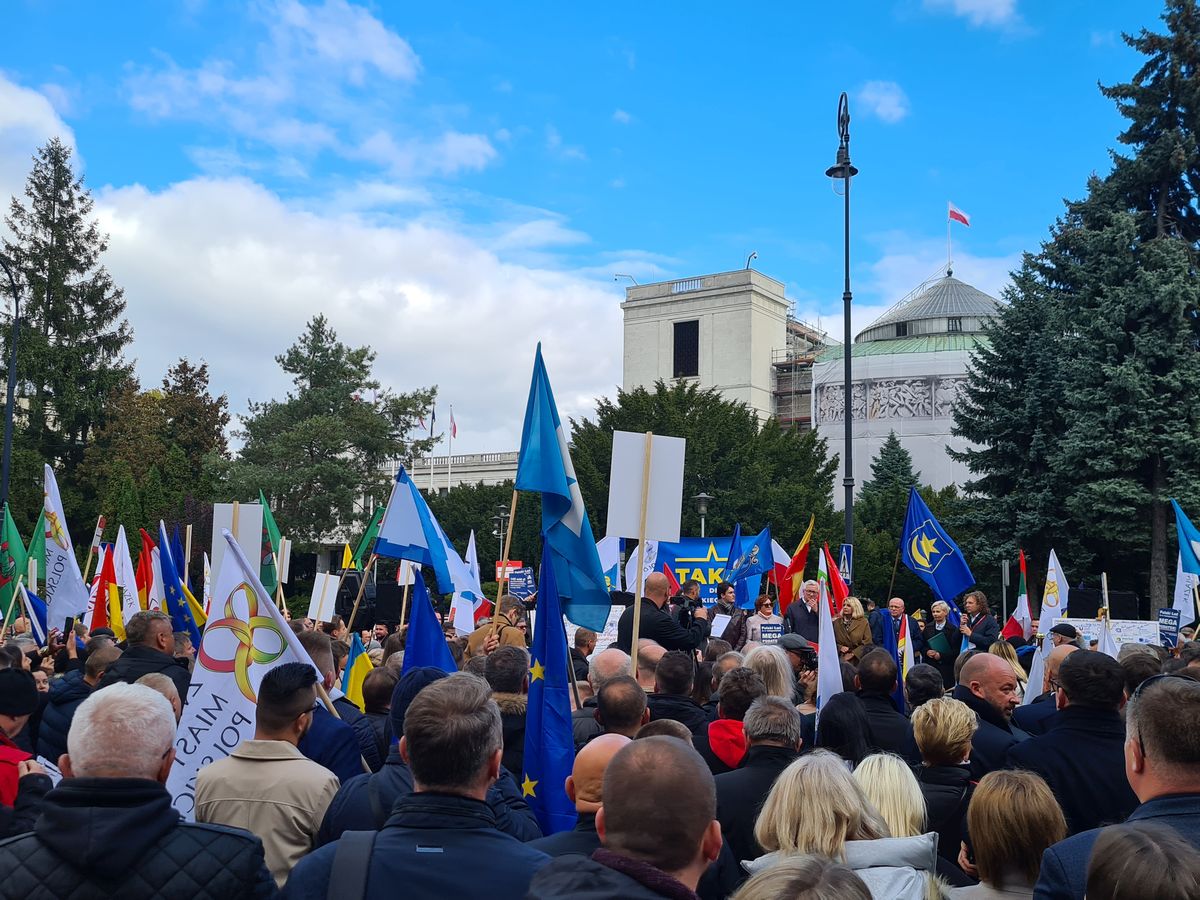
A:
(851, 631)
(1013, 818)
(804, 878)
(942, 641)
(1005, 651)
(816, 806)
(944, 728)
(771, 664)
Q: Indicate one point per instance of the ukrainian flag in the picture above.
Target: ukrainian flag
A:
(358, 664)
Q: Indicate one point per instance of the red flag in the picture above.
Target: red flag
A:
(483, 610)
(144, 574)
(672, 580)
(793, 575)
(106, 576)
(1020, 623)
(837, 587)
(957, 215)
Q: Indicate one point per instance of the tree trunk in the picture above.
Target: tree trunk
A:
(1159, 588)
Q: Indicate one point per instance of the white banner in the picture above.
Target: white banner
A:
(65, 593)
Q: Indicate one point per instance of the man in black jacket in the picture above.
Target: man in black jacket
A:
(672, 698)
(978, 626)
(584, 787)
(320, 650)
(66, 694)
(656, 780)
(988, 685)
(890, 729)
(150, 643)
(772, 729)
(109, 828)
(1087, 746)
(801, 615)
(657, 625)
(585, 643)
(891, 619)
(1041, 714)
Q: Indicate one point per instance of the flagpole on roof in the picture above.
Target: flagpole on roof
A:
(949, 254)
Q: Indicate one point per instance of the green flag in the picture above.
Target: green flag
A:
(12, 561)
(37, 549)
(368, 539)
(270, 547)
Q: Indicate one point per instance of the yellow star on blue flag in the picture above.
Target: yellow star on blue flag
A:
(527, 788)
(537, 671)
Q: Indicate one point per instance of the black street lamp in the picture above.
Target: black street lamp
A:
(702, 500)
(6, 464)
(501, 522)
(843, 170)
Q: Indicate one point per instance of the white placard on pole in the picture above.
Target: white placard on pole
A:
(248, 532)
(285, 559)
(324, 598)
(665, 501)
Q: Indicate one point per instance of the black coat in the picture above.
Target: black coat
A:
(945, 663)
(1038, 716)
(369, 746)
(740, 796)
(603, 876)
(584, 726)
(1084, 751)
(682, 709)
(332, 743)
(21, 816)
(121, 837)
(66, 694)
(579, 665)
(365, 801)
(141, 660)
(947, 791)
(660, 627)
(891, 731)
(884, 620)
(433, 845)
(799, 619)
(985, 631)
(582, 839)
(994, 737)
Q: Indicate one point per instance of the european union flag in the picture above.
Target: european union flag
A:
(930, 553)
(545, 466)
(549, 739)
(426, 643)
(745, 562)
(1189, 541)
(177, 557)
(177, 607)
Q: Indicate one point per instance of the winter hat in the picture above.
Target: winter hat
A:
(18, 693)
(407, 689)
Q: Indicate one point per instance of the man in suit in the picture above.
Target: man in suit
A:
(1041, 713)
(978, 626)
(891, 731)
(988, 685)
(894, 614)
(583, 788)
(1162, 764)
(1087, 746)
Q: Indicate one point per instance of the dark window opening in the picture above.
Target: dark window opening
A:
(687, 349)
(954, 324)
(901, 329)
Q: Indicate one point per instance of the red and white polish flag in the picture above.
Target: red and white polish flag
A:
(957, 215)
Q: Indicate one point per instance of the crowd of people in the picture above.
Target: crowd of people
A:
(703, 769)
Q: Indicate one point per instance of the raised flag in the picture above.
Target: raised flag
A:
(36, 612)
(37, 549)
(549, 741)
(649, 566)
(358, 664)
(1189, 541)
(609, 551)
(453, 424)
(672, 581)
(1020, 623)
(544, 465)
(207, 586)
(1107, 643)
(1037, 673)
(347, 557)
(408, 532)
(144, 573)
(426, 642)
(468, 592)
(108, 597)
(932, 556)
(12, 563)
(793, 575)
(957, 215)
(892, 638)
(126, 576)
(829, 664)
(1054, 598)
(65, 593)
(177, 556)
(176, 601)
(837, 585)
(363, 550)
(246, 638)
(269, 550)
(1184, 596)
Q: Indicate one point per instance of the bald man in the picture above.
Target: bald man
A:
(988, 684)
(658, 625)
(1040, 714)
(584, 787)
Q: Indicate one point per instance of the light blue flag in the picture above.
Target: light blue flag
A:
(426, 642)
(409, 531)
(545, 466)
(549, 739)
(1189, 541)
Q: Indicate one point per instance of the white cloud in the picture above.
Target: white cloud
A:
(446, 154)
(621, 117)
(979, 13)
(554, 143)
(348, 37)
(885, 100)
(27, 121)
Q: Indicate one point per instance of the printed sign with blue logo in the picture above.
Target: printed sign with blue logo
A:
(521, 584)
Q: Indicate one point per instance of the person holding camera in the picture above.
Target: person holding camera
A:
(687, 632)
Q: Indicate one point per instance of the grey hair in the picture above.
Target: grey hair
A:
(604, 667)
(808, 584)
(161, 683)
(772, 718)
(122, 731)
(942, 603)
(140, 628)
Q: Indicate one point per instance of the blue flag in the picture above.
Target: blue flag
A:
(177, 557)
(177, 607)
(549, 740)
(1189, 541)
(932, 556)
(545, 466)
(409, 531)
(746, 564)
(892, 646)
(426, 643)
(35, 609)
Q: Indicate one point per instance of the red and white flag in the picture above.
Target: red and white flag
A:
(453, 424)
(957, 215)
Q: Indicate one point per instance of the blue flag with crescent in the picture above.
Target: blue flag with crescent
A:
(932, 556)
(745, 562)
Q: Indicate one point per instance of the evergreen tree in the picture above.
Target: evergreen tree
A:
(878, 521)
(73, 331)
(156, 502)
(194, 420)
(122, 502)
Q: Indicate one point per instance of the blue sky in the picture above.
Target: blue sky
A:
(451, 183)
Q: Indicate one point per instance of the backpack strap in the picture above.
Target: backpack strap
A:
(377, 811)
(351, 862)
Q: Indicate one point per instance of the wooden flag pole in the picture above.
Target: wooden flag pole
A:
(187, 550)
(234, 523)
(13, 604)
(94, 547)
(502, 580)
(278, 583)
(362, 588)
(892, 583)
(405, 567)
(571, 672)
(1104, 591)
(641, 578)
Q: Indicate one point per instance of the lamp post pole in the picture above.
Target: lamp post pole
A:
(844, 170)
(701, 500)
(9, 411)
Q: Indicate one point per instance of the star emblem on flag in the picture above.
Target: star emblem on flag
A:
(527, 787)
(537, 672)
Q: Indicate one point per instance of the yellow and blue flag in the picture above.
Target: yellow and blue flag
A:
(426, 642)
(358, 664)
(932, 556)
(549, 739)
(174, 592)
(544, 465)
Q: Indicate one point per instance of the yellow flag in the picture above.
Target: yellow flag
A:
(347, 558)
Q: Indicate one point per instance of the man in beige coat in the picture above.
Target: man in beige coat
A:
(266, 785)
(509, 629)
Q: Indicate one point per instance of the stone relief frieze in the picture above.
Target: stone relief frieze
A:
(927, 397)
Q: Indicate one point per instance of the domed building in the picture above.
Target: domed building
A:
(908, 367)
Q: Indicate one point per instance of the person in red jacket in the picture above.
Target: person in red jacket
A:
(22, 781)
